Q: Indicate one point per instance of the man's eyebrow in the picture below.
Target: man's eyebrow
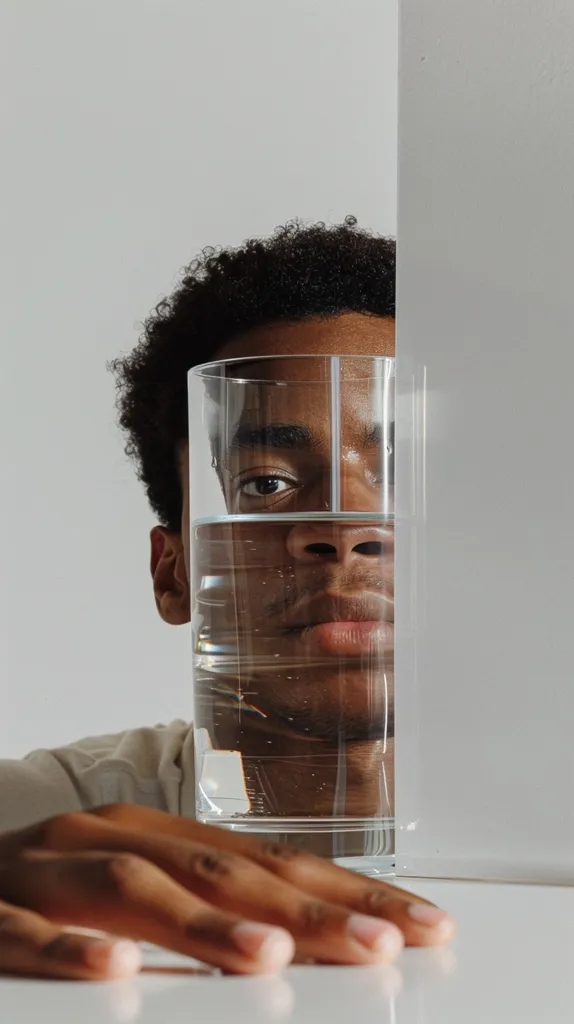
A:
(277, 435)
(373, 435)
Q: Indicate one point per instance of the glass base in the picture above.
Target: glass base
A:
(357, 844)
(382, 867)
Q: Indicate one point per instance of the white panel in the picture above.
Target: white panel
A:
(485, 547)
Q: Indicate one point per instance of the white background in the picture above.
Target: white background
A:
(133, 133)
(485, 702)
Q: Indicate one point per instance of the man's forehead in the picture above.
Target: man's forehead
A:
(303, 407)
(296, 391)
(268, 386)
(345, 334)
(270, 375)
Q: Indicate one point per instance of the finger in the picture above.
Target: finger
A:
(322, 930)
(126, 895)
(31, 945)
(420, 921)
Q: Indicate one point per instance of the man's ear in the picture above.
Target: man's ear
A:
(170, 582)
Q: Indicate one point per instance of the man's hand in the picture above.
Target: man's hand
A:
(208, 893)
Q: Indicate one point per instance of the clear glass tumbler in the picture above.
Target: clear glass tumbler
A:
(292, 559)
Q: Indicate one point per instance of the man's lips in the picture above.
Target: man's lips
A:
(371, 640)
(333, 608)
(355, 627)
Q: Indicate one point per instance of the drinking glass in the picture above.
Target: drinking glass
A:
(291, 471)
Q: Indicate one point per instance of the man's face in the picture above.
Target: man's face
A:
(308, 606)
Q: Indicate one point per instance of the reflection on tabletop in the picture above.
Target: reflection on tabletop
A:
(170, 986)
(512, 961)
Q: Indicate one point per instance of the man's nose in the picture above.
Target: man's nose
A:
(329, 542)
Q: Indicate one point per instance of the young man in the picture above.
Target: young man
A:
(100, 834)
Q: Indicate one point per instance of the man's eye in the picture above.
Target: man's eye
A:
(262, 486)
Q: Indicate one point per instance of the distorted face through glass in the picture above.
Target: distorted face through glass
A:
(293, 606)
(299, 598)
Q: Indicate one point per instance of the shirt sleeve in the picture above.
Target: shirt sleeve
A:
(152, 767)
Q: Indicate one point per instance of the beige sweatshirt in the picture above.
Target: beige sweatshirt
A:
(153, 767)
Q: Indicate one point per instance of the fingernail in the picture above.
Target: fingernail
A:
(431, 917)
(273, 948)
(381, 937)
(118, 959)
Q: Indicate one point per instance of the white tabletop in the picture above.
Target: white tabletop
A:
(513, 960)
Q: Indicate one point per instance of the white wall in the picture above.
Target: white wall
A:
(485, 556)
(133, 133)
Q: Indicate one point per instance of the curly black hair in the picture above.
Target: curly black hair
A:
(299, 272)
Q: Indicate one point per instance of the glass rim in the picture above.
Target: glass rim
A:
(201, 370)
